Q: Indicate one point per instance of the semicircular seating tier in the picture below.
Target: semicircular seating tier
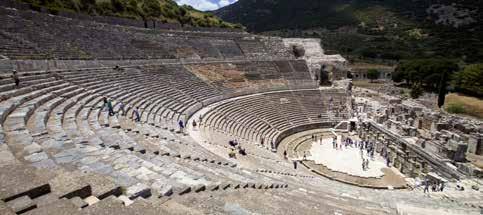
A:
(266, 116)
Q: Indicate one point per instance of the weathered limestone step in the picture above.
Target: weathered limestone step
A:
(21, 180)
(21, 204)
(5, 210)
(60, 207)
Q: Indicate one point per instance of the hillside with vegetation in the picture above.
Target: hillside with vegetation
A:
(369, 30)
(166, 11)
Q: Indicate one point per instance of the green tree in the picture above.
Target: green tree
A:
(151, 8)
(372, 74)
(426, 72)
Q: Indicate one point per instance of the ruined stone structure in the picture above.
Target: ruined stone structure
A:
(335, 65)
(102, 116)
(359, 71)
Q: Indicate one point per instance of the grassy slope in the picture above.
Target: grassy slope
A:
(471, 106)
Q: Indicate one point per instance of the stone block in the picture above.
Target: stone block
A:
(138, 190)
(5, 210)
(199, 188)
(166, 190)
(125, 200)
(36, 157)
(78, 202)
(69, 185)
(183, 190)
(225, 186)
(33, 148)
(214, 187)
(21, 204)
(20, 180)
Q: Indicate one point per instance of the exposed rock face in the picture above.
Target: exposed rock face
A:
(451, 15)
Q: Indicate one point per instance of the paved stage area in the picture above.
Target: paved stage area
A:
(347, 160)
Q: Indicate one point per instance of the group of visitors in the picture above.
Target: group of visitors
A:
(107, 104)
(435, 186)
(236, 146)
(365, 147)
(272, 145)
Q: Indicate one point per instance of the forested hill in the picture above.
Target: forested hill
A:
(166, 11)
(384, 29)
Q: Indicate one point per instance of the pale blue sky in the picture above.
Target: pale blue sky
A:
(205, 5)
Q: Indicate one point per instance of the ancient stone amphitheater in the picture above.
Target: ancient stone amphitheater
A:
(62, 153)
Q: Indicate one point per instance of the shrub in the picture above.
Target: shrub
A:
(416, 91)
(455, 108)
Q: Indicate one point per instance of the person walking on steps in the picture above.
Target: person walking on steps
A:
(104, 103)
(181, 126)
(285, 154)
(194, 124)
(426, 186)
(110, 108)
(136, 115)
(121, 109)
(15, 78)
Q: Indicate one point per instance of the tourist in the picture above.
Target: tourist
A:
(232, 143)
(117, 68)
(433, 187)
(104, 103)
(15, 78)
(110, 108)
(241, 151)
(181, 126)
(199, 119)
(426, 186)
(441, 188)
(194, 124)
(305, 156)
(56, 75)
(285, 154)
(121, 109)
(295, 164)
(232, 153)
(136, 115)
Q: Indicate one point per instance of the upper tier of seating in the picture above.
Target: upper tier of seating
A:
(26, 34)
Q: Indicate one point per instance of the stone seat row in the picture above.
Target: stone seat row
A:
(66, 128)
